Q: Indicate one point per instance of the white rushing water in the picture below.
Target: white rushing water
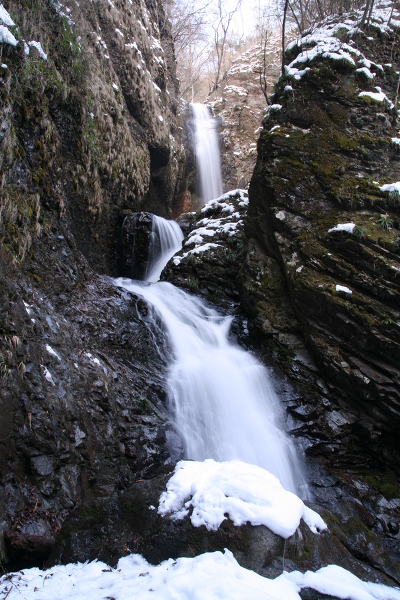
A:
(220, 397)
(206, 147)
(166, 240)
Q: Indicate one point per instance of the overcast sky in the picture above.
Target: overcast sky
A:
(246, 20)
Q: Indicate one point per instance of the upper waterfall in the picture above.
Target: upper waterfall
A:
(206, 148)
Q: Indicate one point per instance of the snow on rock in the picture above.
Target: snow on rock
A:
(378, 96)
(295, 73)
(196, 250)
(244, 492)
(336, 581)
(47, 375)
(366, 72)
(324, 41)
(52, 352)
(243, 195)
(234, 89)
(343, 288)
(39, 48)
(5, 17)
(369, 63)
(391, 187)
(272, 108)
(228, 222)
(343, 227)
(6, 37)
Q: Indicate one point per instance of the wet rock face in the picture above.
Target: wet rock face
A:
(134, 246)
(129, 522)
(321, 159)
(81, 392)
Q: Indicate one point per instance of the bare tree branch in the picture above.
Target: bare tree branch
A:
(221, 28)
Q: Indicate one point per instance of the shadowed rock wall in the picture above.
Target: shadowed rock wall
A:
(87, 134)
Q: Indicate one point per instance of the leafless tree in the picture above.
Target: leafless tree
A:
(221, 28)
(285, 9)
(190, 21)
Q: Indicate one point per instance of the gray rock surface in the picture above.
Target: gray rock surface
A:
(129, 522)
(81, 392)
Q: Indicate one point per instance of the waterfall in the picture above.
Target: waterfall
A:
(165, 240)
(219, 396)
(146, 244)
(206, 147)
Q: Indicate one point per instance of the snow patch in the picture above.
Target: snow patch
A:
(343, 227)
(52, 352)
(343, 288)
(5, 17)
(244, 492)
(234, 89)
(38, 47)
(213, 575)
(6, 37)
(377, 96)
(391, 187)
(47, 375)
(366, 72)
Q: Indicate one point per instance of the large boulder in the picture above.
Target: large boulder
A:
(129, 522)
(134, 245)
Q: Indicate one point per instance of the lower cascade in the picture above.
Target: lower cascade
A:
(220, 397)
(166, 239)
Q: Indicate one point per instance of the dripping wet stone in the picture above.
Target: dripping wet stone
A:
(134, 245)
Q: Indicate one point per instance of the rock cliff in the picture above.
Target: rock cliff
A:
(89, 132)
(240, 106)
(90, 124)
(323, 261)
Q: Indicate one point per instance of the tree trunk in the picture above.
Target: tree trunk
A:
(283, 34)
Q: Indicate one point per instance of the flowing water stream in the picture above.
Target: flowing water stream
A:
(219, 396)
(166, 240)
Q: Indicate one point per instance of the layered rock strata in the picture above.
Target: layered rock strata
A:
(323, 258)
